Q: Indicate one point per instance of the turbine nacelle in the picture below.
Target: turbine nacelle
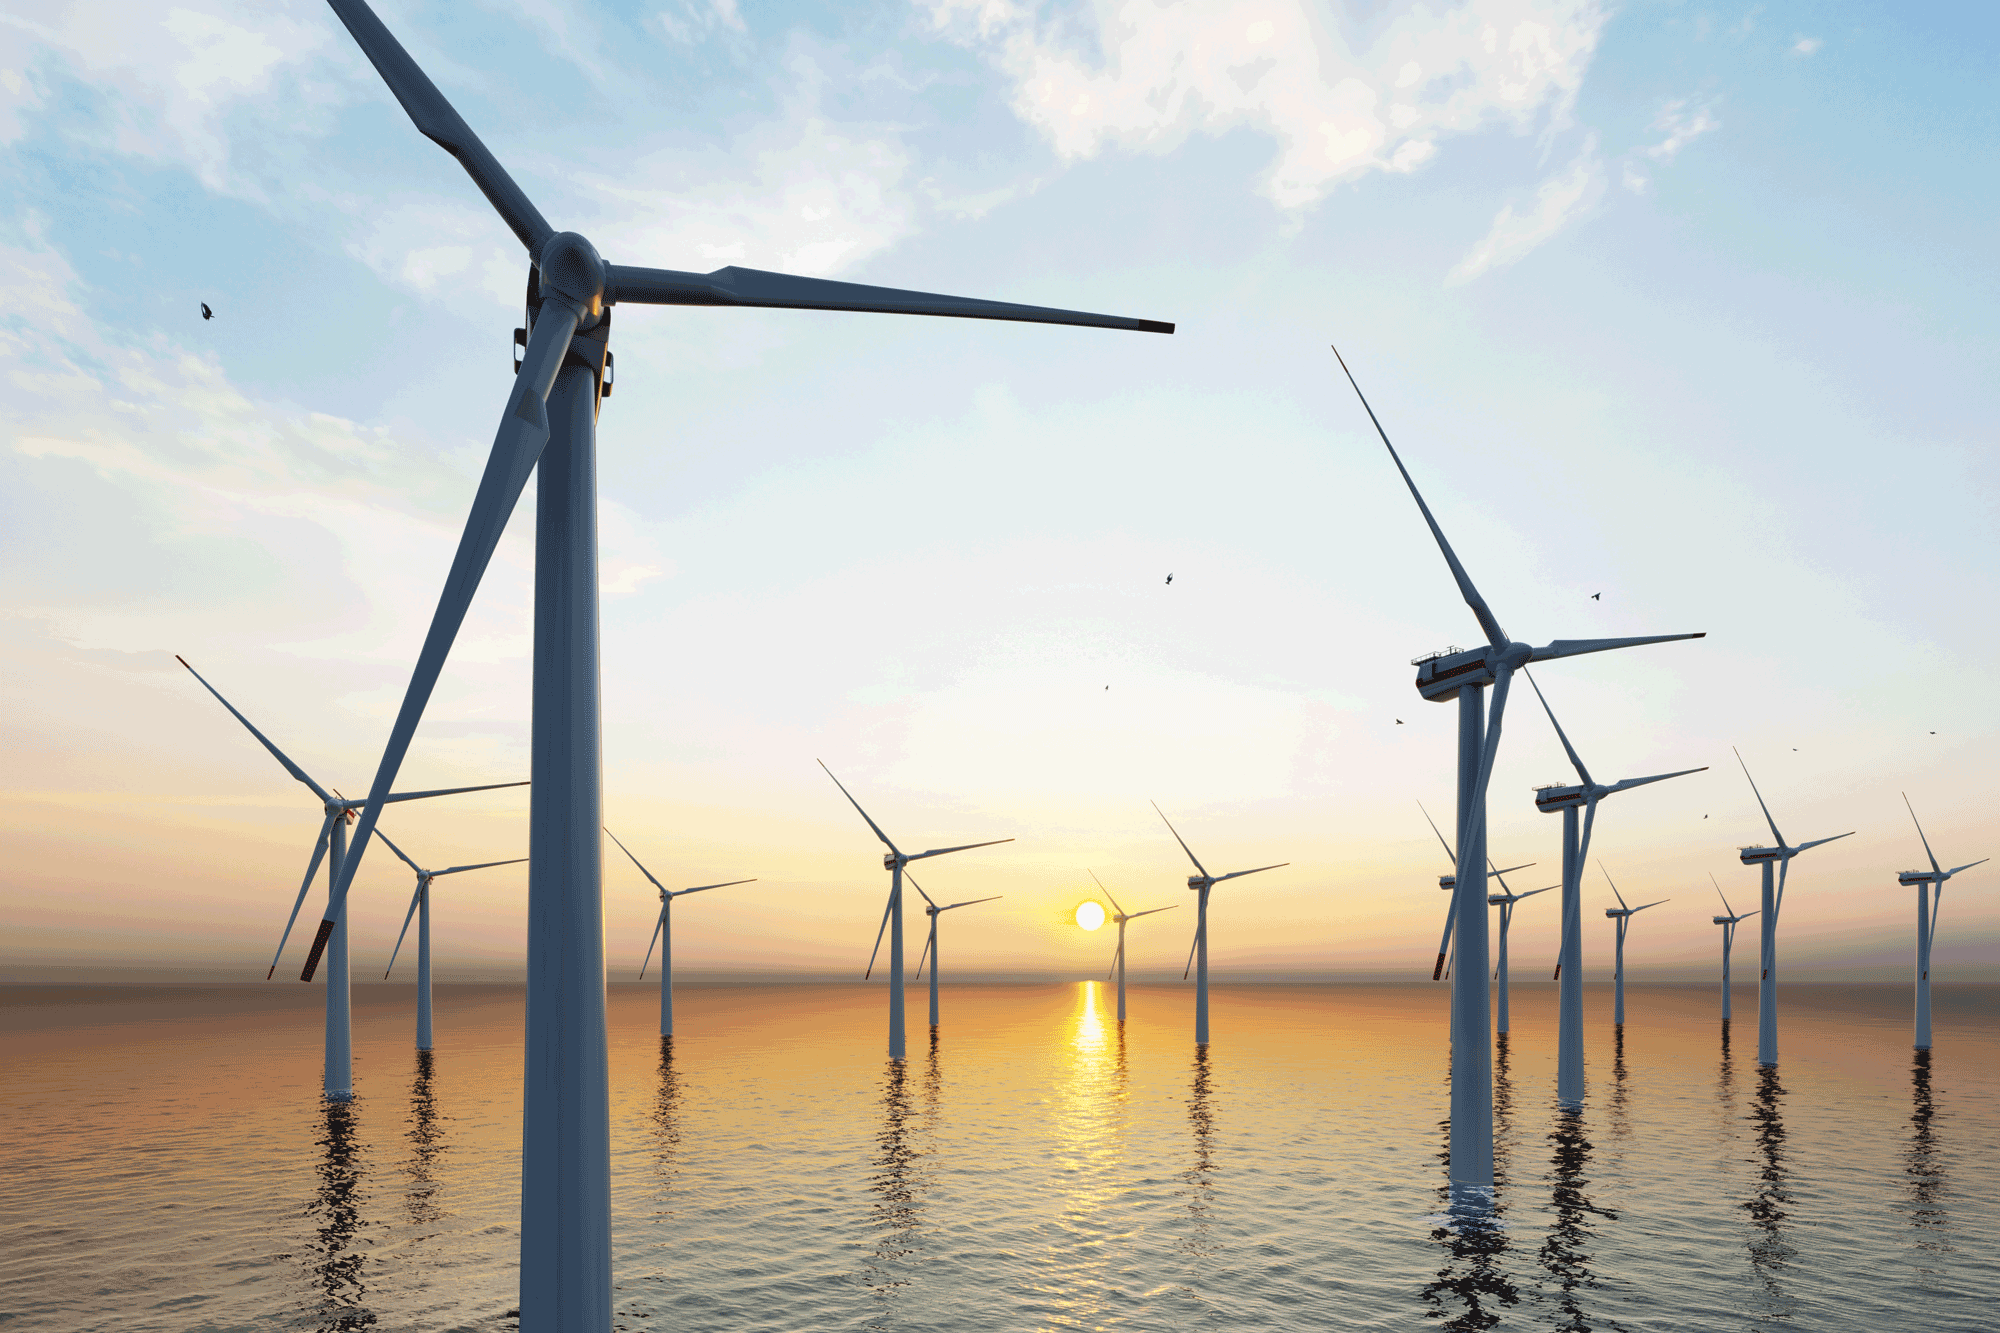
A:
(1198, 882)
(1753, 856)
(1550, 799)
(1915, 877)
(1724, 920)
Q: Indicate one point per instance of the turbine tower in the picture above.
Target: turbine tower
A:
(1929, 885)
(1767, 926)
(1728, 924)
(933, 911)
(420, 907)
(337, 1071)
(1118, 958)
(1198, 952)
(1583, 796)
(1505, 900)
(893, 861)
(663, 934)
(549, 426)
(1462, 674)
(1623, 916)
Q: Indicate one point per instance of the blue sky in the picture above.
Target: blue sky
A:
(1688, 306)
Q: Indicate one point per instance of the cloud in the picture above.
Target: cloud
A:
(1682, 128)
(1560, 199)
(1144, 77)
(1805, 46)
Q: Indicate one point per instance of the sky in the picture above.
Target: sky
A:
(1681, 316)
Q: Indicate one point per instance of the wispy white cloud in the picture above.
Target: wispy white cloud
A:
(1806, 46)
(1144, 77)
(1561, 198)
(1682, 126)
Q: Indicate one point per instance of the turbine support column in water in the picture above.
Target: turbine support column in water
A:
(1569, 968)
(338, 1073)
(1767, 974)
(565, 1132)
(424, 966)
(1471, 1004)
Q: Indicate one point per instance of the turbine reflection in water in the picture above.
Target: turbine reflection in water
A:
(426, 1146)
(1566, 1250)
(1471, 1228)
(1503, 1109)
(1924, 1164)
(1769, 1204)
(899, 1189)
(333, 1264)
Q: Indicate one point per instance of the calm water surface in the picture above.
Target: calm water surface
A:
(169, 1165)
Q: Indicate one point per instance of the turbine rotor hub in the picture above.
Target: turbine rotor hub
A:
(572, 269)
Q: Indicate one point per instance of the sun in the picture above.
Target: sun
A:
(1090, 915)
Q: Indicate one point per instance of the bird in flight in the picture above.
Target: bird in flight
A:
(1170, 578)
(1399, 721)
(1596, 596)
(206, 313)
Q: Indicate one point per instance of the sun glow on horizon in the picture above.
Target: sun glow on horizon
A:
(1090, 914)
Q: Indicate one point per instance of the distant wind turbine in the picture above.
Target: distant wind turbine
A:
(663, 933)
(420, 907)
(1505, 900)
(933, 911)
(1461, 674)
(893, 861)
(1623, 916)
(1767, 926)
(1728, 924)
(1929, 885)
(1450, 882)
(1118, 958)
(337, 1074)
(1198, 952)
(1583, 795)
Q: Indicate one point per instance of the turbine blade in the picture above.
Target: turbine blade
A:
(393, 953)
(1487, 624)
(312, 868)
(857, 805)
(1149, 911)
(1628, 783)
(1652, 904)
(1192, 944)
(1967, 866)
(926, 952)
(1906, 805)
(437, 121)
(447, 791)
(483, 865)
(1444, 943)
(1503, 677)
(1759, 795)
(970, 901)
(262, 739)
(1449, 854)
(1583, 843)
(887, 907)
(659, 922)
(1821, 842)
(1727, 909)
(1532, 892)
(1575, 760)
(1614, 887)
(1179, 839)
(1577, 647)
(1106, 892)
(735, 286)
(1112, 971)
(635, 861)
(704, 888)
(941, 851)
(1238, 874)
(518, 443)
(399, 852)
(912, 880)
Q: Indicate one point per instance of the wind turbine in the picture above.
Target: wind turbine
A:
(1118, 958)
(893, 861)
(1450, 882)
(933, 911)
(420, 907)
(1505, 900)
(1198, 951)
(663, 934)
(1582, 796)
(1728, 924)
(563, 374)
(337, 1072)
(1925, 881)
(1463, 674)
(1623, 916)
(1767, 926)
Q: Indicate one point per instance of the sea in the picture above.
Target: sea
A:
(170, 1165)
